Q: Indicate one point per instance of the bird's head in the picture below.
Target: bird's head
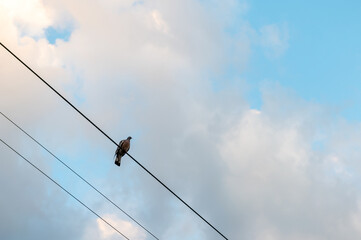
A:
(129, 138)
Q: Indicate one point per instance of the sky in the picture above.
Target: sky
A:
(248, 110)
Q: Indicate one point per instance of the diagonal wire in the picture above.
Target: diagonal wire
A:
(64, 189)
(76, 109)
(76, 173)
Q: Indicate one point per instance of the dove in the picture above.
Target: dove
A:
(123, 148)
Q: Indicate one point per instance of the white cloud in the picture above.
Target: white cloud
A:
(274, 38)
(143, 69)
(127, 228)
(283, 188)
(159, 22)
(30, 17)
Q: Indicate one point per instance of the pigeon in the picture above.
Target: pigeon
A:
(122, 149)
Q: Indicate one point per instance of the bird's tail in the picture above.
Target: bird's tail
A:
(118, 159)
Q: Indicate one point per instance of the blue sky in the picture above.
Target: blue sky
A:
(322, 62)
(52, 34)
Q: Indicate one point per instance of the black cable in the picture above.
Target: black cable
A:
(76, 174)
(64, 189)
(194, 211)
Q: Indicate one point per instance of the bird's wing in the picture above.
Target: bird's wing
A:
(126, 145)
(119, 147)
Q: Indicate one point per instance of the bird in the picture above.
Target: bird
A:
(122, 149)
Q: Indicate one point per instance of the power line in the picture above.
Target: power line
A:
(76, 174)
(76, 109)
(64, 189)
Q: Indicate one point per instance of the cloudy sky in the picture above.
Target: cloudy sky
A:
(249, 110)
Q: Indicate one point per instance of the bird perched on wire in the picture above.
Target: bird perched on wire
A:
(122, 149)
